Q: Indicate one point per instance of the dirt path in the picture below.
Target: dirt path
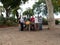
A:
(12, 36)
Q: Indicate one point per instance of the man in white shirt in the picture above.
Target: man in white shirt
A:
(36, 23)
(22, 20)
(22, 24)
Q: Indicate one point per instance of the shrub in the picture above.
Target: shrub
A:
(1, 20)
(45, 22)
(57, 22)
(11, 21)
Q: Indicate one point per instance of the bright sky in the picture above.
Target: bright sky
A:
(57, 16)
(1, 4)
(29, 4)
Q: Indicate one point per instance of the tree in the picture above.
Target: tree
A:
(11, 4)
(14, 12)
(50, 17)
(6, 5)
(49, 11)
(56, 4)
(28, 12)
(37, 7)
(1, 10)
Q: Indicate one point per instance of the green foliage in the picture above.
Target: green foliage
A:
(38, 3)
(11, 4)
(37, 7)
(28, 12)
(24, 1)
(45, 22)
(56, 5)
(15, 9)
(1, 20)
(8, 21)
(6, 3)
(57, 22)
(11, 21)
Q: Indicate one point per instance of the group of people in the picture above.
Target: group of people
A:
(33, 23)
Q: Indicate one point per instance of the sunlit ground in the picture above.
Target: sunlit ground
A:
(12, 36)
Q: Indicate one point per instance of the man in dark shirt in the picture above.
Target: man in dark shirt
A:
(40, 22)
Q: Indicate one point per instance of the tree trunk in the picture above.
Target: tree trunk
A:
(0, 12)
(17, 15)
(7, 13)
(51, 20)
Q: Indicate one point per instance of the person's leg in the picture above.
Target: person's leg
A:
(31, 26)
(27, 27)
(24, 26)
(21, 26)
(35, 27)
(40, 26)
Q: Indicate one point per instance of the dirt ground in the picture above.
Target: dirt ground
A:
(12, 36)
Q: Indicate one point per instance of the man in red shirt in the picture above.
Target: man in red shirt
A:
(32, 23)
(32, 19)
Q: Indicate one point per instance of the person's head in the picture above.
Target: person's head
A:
(40, 16)
(35, 16)
(32, 16)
